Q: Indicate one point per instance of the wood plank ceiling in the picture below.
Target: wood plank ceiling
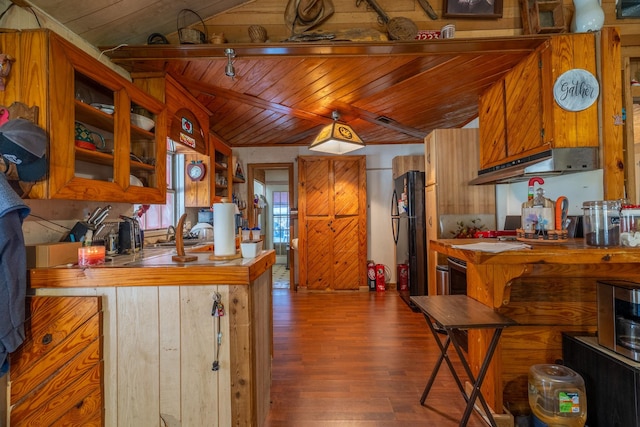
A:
(283, 93)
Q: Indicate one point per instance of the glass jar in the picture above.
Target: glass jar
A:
(630, 225)
(601, 220)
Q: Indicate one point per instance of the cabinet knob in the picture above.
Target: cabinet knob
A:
(47, 339)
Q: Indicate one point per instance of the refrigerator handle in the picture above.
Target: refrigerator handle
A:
(395, 227)
(394, 204)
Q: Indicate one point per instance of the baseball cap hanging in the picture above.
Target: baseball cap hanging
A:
(24, 144)
(301, 15)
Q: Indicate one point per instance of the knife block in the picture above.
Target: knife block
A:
(78, 232)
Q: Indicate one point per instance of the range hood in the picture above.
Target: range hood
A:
(548, 163)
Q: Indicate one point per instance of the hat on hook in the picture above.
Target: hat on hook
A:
(301, 15)
(24, 144)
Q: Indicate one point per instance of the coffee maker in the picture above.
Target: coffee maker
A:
(130, 237)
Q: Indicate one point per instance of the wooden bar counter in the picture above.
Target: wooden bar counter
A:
(547, 289)
(159, 339)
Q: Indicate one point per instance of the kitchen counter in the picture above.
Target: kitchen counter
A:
(159, 336)
(548, 289)
(154, 267)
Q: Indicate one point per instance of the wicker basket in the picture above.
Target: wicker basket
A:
(401, 28)
(257, 34)
(190, 35)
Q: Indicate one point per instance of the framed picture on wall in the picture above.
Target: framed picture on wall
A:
(473, 9)
(628, 9)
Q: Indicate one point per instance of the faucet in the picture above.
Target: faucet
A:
(171, 233)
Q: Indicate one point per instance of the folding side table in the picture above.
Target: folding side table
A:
(459, 312)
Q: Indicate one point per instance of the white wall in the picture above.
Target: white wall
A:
(576, 187)
(380, 247)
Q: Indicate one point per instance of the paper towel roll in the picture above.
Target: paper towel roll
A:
(224, 224)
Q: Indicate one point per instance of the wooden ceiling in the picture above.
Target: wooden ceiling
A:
(283, 93)
(113, 22)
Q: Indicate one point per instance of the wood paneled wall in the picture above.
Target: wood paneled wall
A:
(347, 16)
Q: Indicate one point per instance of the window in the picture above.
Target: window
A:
(280, 212)
(160, 217)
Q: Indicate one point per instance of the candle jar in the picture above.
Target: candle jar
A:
(91, 255)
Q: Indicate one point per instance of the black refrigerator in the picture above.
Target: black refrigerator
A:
(409, 232)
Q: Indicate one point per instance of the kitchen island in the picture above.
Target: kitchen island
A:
(162, 364)
(547, 289)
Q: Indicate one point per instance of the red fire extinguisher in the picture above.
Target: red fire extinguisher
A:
(371, 275)
(380, 283)
(403, 277)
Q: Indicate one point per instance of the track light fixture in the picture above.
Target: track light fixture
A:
(336, 138)
(229, 70)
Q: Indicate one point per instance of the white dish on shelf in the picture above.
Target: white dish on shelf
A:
(142, 122)
(105, 108)
(135, 181)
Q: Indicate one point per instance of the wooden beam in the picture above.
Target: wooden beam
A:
(613, 158)
(522, 44)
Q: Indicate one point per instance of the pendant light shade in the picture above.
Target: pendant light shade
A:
(336, 138)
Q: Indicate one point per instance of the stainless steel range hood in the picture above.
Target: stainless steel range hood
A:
(548, 163)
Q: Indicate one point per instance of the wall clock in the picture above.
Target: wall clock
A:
(196, 170)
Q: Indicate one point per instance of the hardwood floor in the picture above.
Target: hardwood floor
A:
(356, 359)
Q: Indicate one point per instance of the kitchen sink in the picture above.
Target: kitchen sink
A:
(172, 243)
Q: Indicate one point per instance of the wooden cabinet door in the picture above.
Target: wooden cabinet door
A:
(332, 216)
(196, 193)
(524, 111)
(511, 114)
(431, 214)
(430, 159)
(493, 131)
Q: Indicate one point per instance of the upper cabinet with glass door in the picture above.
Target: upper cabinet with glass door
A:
(107, 136)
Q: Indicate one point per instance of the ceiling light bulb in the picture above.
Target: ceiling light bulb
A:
(229, 70)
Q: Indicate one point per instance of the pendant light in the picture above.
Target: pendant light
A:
(336, 138)
(229, 70)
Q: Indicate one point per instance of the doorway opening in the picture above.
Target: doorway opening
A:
(270, 186)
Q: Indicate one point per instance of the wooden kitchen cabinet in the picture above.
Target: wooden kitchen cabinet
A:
(332, 212)
(451, 157)
(222, 177)
(219, 181)
(518, 116)
(197, 194)
(57, 372)
(63, 82)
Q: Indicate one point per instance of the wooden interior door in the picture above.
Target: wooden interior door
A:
(332, 214)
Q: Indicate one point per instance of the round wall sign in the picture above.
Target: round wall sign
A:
(576, 90)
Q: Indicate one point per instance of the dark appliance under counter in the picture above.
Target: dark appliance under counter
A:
(612, 381)
(457, 285)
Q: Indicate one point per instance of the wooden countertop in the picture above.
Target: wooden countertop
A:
(154, 268)
(574, 251)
